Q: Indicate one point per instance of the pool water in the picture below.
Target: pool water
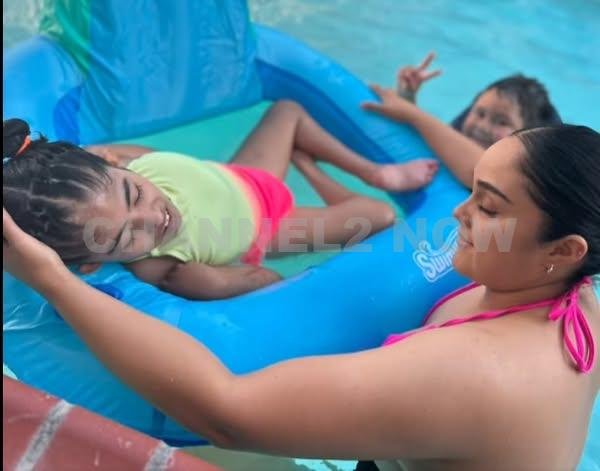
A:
(476, 42)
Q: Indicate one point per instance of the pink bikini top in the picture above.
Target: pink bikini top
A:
(565, 307)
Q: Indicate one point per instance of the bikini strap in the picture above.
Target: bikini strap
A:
(565, 307)
(448, 297)
(577, 334)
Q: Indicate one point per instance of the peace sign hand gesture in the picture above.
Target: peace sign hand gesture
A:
(410, 78)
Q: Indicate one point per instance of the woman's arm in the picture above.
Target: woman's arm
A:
(404, 401)
(200, 281)
(457, 151)
(423, 398)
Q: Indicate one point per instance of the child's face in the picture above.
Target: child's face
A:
(492, 117)
(127, 220)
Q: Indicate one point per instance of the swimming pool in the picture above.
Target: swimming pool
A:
(476, 43)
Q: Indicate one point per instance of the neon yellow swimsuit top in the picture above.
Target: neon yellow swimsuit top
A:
(217, 220)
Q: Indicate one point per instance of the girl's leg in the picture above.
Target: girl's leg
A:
(271, 144)
(287, 127)
(328, 189)
(333, 227)
(348, 218)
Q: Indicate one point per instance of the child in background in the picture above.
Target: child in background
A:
(507, 105)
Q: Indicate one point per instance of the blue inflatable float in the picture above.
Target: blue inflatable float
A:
(118, 69)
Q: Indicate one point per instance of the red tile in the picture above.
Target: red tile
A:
(23, 411)
(83, 441)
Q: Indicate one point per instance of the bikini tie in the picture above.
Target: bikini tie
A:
(577, 334)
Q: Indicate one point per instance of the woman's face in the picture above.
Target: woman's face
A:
(492, 117)
(500, 224)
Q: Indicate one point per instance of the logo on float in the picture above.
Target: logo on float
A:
(436, 263)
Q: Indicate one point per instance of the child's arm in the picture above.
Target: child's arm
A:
(200, 281)
(119, 154)
(457, 151)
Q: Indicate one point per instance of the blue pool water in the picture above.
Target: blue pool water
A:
(477, 42)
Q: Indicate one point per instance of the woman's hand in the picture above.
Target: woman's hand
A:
(391, 105)
(409, 79)
(28, 259)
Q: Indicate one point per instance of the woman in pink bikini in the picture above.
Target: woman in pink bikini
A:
(501, 377)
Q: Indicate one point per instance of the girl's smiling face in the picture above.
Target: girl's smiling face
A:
(128, 219)
(492, 117)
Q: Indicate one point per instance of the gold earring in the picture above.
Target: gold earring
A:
(550, 269)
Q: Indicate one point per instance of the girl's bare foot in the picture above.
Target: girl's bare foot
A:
(405, 177)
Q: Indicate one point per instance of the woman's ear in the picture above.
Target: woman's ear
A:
(87, 268)
(568, 251)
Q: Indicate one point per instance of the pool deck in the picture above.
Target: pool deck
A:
(42, 432)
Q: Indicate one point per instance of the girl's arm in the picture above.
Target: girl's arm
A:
(458, 152)
(423, 398)
(200, 281)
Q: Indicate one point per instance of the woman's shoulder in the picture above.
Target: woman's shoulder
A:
(460, 303)
(590, 298)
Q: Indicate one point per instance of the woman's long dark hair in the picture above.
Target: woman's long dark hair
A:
(562, 165)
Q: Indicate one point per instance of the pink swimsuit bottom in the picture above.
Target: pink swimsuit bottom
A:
(577, 334)
(274, 201)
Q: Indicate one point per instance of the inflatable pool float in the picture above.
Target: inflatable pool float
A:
(120, 69)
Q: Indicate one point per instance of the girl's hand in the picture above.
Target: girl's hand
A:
(28, 259)
(391, 105)
(409, 79)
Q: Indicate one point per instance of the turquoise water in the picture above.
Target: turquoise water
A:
(555, 41)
